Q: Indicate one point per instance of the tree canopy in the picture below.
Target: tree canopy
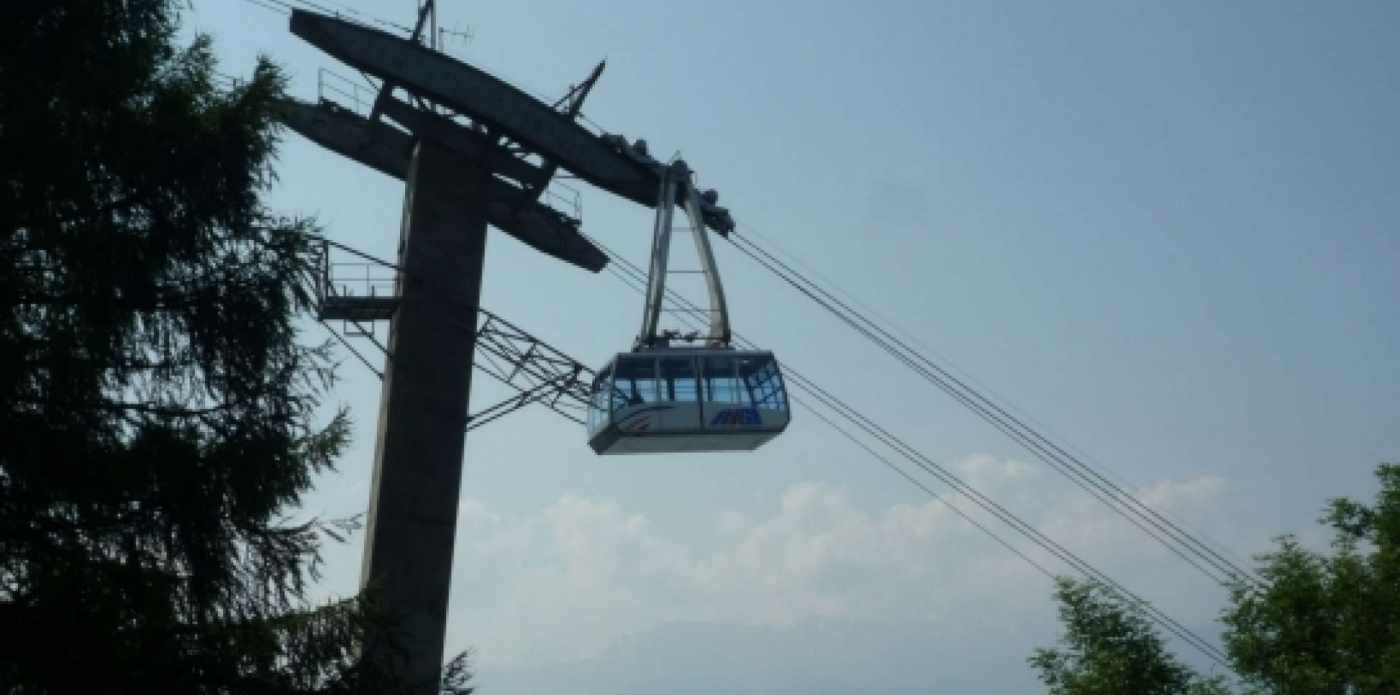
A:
(159, 409)
(1326, 622)
(1110, 648)
(1318, 624)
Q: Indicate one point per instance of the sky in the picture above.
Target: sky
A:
(1163, 232)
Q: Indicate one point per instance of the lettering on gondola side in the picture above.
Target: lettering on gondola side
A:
(736, 416)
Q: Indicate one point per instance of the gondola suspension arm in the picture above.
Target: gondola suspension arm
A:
(676, 179)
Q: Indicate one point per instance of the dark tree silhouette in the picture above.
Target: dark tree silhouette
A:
(1319, 623)
(1110, 648)
(158, 411)
(1326, 623)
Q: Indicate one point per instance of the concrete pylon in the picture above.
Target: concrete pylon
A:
(423, 409)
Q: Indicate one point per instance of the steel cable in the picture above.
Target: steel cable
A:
(1125, 504)
(986, 504)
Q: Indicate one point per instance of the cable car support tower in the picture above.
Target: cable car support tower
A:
(473, 152)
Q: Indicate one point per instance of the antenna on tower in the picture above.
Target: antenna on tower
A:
(427, 9)
(436, 35)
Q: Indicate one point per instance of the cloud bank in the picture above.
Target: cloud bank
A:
(584, 589)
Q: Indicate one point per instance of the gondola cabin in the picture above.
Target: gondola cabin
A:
(671, 400)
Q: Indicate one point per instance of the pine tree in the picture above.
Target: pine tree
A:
(159, 411)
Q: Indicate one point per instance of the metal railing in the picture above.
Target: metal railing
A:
(344, 278)
(334, 88)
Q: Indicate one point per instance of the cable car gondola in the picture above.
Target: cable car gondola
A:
(677, 399)
(664, 398)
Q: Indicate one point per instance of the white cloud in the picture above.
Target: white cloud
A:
(1185, 496)
(566, 582)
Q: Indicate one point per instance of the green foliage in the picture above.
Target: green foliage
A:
(1326, 623)
(158, 409)
(1110, 648)
(1320, 624)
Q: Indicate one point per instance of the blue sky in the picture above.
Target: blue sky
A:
(1163, 231)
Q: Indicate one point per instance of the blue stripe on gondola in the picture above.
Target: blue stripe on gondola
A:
(633, 418)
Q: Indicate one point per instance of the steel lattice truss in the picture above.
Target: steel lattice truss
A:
(539, 372)
(536, 370)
